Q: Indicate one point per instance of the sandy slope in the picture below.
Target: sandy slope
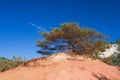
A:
(59, 67)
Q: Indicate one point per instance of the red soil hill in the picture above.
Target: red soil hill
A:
(62, 67)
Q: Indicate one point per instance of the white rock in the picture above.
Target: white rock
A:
(113, 50)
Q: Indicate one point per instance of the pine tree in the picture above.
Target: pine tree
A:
(70, 37)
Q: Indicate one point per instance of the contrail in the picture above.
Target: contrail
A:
(38, 27)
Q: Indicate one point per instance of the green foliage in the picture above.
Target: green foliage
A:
(118, 43)
(72, 38)
(3, 59)
(115, 61)
(108, 60)
(6, 64)
(118, 47)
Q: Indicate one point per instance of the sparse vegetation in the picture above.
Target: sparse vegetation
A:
(116, 60)
(6, 64)
(118, 43)
(108, 60)
(72, 38)
(113, 60)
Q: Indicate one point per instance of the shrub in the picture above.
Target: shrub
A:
(6, 64)
(116, 60)
(113, 60)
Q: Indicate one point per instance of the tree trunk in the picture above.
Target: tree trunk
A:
(73, 48)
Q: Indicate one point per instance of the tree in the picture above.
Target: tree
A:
(71, 38)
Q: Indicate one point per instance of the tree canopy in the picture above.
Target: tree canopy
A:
(70, 37)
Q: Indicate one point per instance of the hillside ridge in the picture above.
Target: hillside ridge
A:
(62, 66)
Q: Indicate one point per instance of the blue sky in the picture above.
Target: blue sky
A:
(19, 19)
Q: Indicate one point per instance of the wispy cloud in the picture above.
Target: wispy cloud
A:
(38, 27)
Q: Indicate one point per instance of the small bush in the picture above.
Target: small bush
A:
(115, 61)
(108, 60)
(6, 64)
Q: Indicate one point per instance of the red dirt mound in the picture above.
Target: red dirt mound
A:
(62, 67)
